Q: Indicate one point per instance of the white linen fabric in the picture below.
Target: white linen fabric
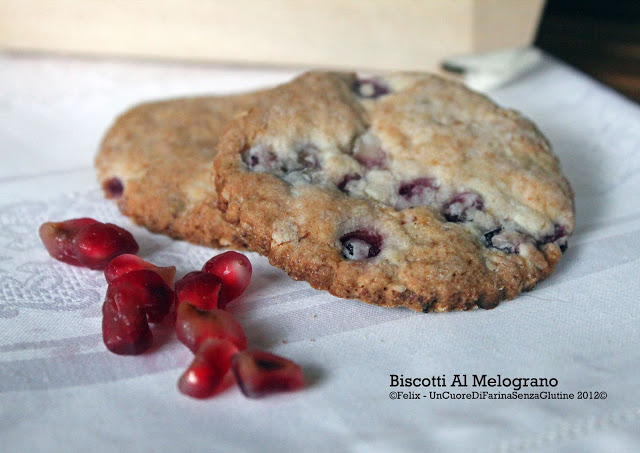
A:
(61, 390)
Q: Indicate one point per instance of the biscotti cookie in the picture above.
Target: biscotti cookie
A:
(406, 190)
(156, 161)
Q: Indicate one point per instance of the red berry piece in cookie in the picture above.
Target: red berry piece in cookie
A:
(200, 289)
(458, 208)
(234, 269)
(206, 372)
(559, 236)
(97, 244)
(57, 238)
(123, 264)
(113, 187)
(125, 329)
(261, 373)
(343, 185)
(370, 88)
(507, 240)
(147, 290)
(361, 244)
(418, 192)
(261, 159)
(194, 326)
(308, 157)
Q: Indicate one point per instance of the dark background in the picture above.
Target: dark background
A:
(601, 38)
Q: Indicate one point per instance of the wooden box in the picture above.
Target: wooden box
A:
(373, 34)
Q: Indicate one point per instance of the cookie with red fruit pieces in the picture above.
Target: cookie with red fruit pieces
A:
(155, 162)
(401, 190)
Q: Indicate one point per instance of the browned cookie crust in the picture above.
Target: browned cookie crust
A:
(156, 160)
(407, 190)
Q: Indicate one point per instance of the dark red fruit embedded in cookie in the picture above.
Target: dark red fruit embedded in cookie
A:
(57, 238)
(308, 157)
(370, 88)
(508, 241)
(113, 187)
(261, 373)
(125, 329)
(210, 365)
(97, 244)
(234, 269)
(458, 207)
(194, 326)
(200, 289)
(419, 191)
(342, 185)
(361, 244)
(260, 158)
(559, 236)
(127, 263)
(144, 289)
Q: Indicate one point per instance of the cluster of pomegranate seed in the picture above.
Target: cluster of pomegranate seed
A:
(140, 293)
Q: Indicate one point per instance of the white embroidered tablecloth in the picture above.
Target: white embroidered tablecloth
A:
(60, 390)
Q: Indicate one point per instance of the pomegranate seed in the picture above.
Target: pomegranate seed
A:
(97, 244)
(113, 187)
(210, 365)
(125, 329)
(342, 185)
(123, 264)
(361, 244)
(234, 269)
(559, 236)
(457, 208)
(417, 187)
(370, 88)
(180, 283)
(57, 238)
(146, 290)
(260, 373)
(368, 151)
(194, 326)
(200, 289)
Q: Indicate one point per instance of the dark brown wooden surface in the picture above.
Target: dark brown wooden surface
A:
(601, 38)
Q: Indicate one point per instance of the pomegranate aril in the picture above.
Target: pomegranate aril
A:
(97, 244)
(123, 264)
(57, 238)
(361, 244)
(458, 207)
(206, 372)
(370, 88)
(559, 236)
(113, 187)
(260, 373)
(342, 185)
(125, 329)
(194, 326)
(234, 269)
(200, 289)
(260, 158)
(508, 241)
(416, 188)
(147, 290)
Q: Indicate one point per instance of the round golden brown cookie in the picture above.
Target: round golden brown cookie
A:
(405, 190)
(156, 160)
